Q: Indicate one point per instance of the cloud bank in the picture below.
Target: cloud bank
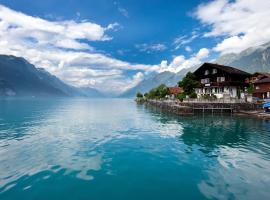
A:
(63, 48)
(180, 62)
(242, 23)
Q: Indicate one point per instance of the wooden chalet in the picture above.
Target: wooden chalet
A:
(262, 88)
(221, 81)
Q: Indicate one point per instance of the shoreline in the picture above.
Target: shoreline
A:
(260, 114)
(189, 109)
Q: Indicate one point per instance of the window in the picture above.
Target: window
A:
(220, 90)
(214, 71)
(205, 81)
(220, 79)
(206, 72)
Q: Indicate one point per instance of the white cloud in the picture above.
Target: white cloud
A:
(180, 62)
(202, 53)
(188, 49)
(150, 48)
(21, 27)
(184, 39)
(243, 23)
(60, 48)
(121, 10)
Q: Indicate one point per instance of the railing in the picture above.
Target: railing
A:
(200, 100)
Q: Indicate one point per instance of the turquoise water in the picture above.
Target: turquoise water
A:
(115, 149)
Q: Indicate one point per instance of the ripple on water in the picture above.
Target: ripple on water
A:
(115, 149)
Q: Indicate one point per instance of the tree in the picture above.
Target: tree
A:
(250, 89)
(159, 92)
(145, 95)
(162, 91)
(181, 96)
(189, 83)
(139, 95)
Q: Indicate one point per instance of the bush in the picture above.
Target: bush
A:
(193, 95)
(209, 97)
(145, 95)
(250, 89)
(139, 95)
(181, 96)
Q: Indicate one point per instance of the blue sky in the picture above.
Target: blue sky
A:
(97, 43)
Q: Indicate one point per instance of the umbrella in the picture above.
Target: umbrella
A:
(266, 105)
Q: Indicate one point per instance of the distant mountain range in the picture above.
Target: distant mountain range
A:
(20, 78)
(251, 60)
(166, 77)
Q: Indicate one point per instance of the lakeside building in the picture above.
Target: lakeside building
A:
(257, 76)
(221, 81)
(261, 84)
(173, 91)
(262, 88)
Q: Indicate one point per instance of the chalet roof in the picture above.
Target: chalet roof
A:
(261, 74)
(228, 69)
(264, 80)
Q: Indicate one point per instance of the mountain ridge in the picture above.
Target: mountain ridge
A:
(252, 59)
(18, 77)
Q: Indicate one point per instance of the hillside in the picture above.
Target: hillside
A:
(20, 78)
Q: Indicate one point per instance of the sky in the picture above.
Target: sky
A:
(112, 45)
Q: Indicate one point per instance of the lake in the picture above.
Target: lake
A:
(115, 149)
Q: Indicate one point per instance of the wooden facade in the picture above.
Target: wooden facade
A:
(262, 88)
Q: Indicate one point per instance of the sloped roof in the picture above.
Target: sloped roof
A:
(266, 74)
(264, 80)
(228, 69)
(262, 73)
(175, 90)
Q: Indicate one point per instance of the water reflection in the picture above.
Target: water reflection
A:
(64, 133)
(235, 154)
(116, 149)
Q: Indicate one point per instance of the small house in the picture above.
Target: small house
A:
(174, 91)
(262, 88)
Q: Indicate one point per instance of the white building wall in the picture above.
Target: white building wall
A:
(231, 91)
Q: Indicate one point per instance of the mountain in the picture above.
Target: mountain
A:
(20, 78)
(166, 77)
(253, 59)
(90, 92)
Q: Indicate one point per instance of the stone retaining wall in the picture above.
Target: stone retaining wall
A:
(185, 108)
(171, 107)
